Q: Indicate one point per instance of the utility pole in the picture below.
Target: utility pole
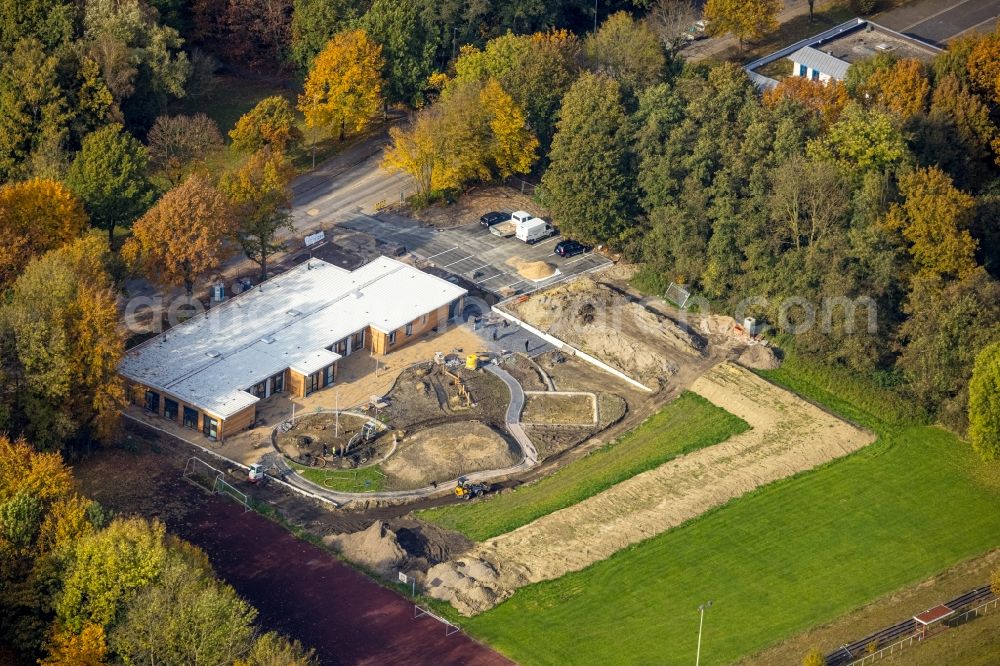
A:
(701, 623)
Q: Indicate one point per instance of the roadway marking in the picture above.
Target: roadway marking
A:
(547, 240)
(464, 257)
(991, 19)
(935, 15)
(439, 254)
(581, 258)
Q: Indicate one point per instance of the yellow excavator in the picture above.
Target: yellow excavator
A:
(468, 490)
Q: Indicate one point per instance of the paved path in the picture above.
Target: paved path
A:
(514, 410)
(938, 22)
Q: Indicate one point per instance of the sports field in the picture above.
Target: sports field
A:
(788, 556)
(688, 423)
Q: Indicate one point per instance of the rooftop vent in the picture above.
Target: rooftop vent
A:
(357, 293)
(884, 47)
(267, 339)
(212, 354)
(293, 313)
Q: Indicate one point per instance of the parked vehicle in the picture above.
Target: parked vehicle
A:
(257, 473)
(493, 217)
(509, 228)
(534, 230)
(468, 490)
(569, 248)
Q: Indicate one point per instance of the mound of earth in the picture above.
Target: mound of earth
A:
(375, 548)
(646, 345)
(448, 451)
(532, 270)
(759, 357)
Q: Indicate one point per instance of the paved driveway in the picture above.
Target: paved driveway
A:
(476, 255)
(939, 21)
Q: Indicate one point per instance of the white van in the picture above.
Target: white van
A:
(534, 230)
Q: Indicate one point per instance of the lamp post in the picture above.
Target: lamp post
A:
(701, 623)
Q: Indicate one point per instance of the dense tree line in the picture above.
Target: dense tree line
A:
(80, 587)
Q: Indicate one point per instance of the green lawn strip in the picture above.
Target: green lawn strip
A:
(363, 480)
(688, 423)
(775, 562)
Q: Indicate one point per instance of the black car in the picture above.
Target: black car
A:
(493, 217)
(568, 248)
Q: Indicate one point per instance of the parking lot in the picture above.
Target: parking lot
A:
(473, 253)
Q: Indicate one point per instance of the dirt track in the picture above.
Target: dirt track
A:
(787, 435)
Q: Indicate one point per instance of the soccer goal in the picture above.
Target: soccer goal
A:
(202, 475)
(677, 295)
(449, 628)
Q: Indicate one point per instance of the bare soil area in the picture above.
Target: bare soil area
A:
(446, 451)
(787, 435)
(472, 205)
(427, 394)
(570, 409)
(553, 440)
(321, 439)
(647, 345)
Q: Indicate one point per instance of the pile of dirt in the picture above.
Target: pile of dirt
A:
(646, 345)
(532, 270)
(759, 357)
(787, 435)
(375, 548)
(445, 452)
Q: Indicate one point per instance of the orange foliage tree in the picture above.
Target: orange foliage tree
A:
(183, 236)
(35, 216)
(902, 88)
(344, 87)
(827, 99)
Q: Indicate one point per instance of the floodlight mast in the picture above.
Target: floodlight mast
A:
(701, 623)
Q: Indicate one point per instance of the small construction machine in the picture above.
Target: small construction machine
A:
(468, 490)
(257, 473)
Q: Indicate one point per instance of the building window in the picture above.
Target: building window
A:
(803, 71)
(815, 76)
(210, 427)
(392, 338)
(328, 374)
(170, 408)
(313, 383)
(190, 417)
(341, 347)
(278, 383)
(153, 402)
(359, 340)
(409, 328)
(260, 390)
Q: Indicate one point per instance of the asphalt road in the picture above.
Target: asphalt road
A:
(476, 255)
(938, 22)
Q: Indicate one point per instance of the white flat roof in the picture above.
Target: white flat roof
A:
(285, 322)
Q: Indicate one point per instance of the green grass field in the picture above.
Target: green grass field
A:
(688, 423)
(364, 480)
(777, 561)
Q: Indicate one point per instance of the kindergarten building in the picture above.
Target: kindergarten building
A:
(285, 335)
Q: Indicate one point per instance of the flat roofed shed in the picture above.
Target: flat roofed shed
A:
(933, 615)
(286, 322)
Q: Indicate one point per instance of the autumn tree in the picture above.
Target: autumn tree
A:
(589, 185)
(109, 175)
(746, 20)
(902, 89)
(183, 236)
(257, 32)
(628, 51)
(984, 65)
(344, 87)
(934, 218)
(535, 70)
(984, 404)
(807, 201)
(261, 197)
(269, 124)
(177, 143)
(474, 132)
(814, 657)
(273, 649)
(35, 216)
(61, 348)
(51, 22)
(826, 99)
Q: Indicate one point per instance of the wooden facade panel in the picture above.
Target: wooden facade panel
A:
(238, 421)
(296, 384)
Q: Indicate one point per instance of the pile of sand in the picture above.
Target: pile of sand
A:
(641, 343)
(532, 270)
(446, 452)
(787, 435)
(759, 357)
(375, 548)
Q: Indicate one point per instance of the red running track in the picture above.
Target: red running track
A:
(304, 592)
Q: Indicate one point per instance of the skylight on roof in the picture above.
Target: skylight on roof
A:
(212, 353)
(293, 313)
